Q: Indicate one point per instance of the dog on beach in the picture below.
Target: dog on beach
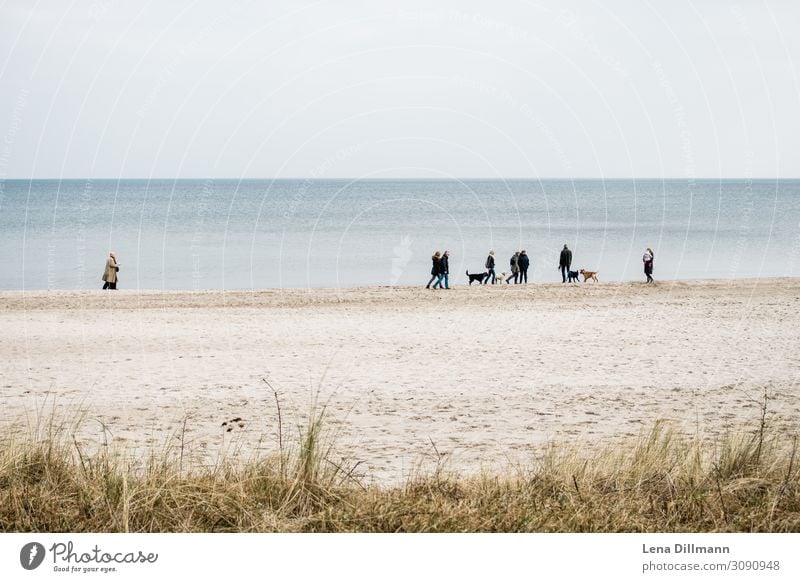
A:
(572, 276)
(502, 277)
(479, 277)
(589, 275)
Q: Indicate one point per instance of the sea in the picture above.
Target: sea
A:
(296, 233)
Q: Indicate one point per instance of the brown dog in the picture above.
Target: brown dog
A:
(589, 275)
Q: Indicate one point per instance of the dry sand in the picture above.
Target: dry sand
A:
(488, 374)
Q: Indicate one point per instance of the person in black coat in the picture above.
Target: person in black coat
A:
(446, 269)
(490, 269)
(564, 263)
(524, 262)
(436, 270)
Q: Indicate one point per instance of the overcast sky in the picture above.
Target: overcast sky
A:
(621, 88)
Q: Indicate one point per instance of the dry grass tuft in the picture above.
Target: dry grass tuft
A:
(662, 482)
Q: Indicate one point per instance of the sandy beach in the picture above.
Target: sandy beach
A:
(487, 375)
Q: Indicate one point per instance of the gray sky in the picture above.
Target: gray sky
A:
(620, 88)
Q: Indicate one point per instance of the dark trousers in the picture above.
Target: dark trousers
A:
(523, 275)
(108, 285)
(513, 276)
(564, 273)
(648, 271)
(491, 274)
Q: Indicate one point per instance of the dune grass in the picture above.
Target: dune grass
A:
(664, 481)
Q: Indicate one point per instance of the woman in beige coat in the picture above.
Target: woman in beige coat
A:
(110, 274)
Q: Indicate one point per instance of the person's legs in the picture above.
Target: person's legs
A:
(114, 285)
(492, 275)
(564, 270)
(524, 276)
(438, 281)
(447, 280)
(428, 286)
(105, 285)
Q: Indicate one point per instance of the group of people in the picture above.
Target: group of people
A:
(440, 271)
(519, 264)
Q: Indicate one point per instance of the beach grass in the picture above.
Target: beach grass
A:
(664, 481)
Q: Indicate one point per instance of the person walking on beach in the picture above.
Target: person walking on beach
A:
(446, 269)
(524, 262)
(436, 270)
(564, 263)
(110, 274)
(490, 269)
(647, 259)
(514, 262)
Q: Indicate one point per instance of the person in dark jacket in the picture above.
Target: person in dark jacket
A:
(446, 269)
(524, 262)
(436, 270)
(490, 269)
(564, 263)
(514, 263)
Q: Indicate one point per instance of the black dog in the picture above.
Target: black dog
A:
(479, 277)
(572, 276)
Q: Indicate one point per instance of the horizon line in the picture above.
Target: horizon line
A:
(417, 178)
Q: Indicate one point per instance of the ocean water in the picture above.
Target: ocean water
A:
(231, 234)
